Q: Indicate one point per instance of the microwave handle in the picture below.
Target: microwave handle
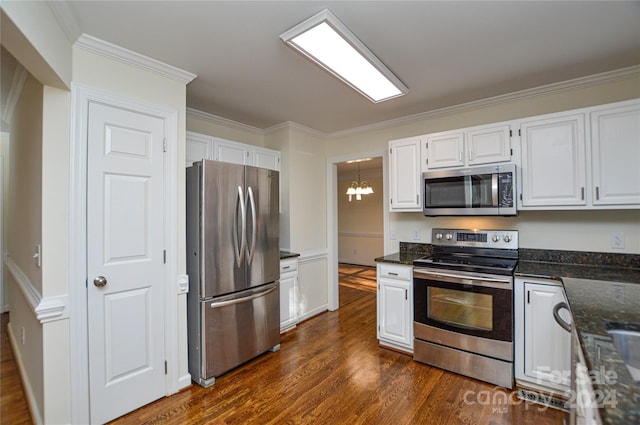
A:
(494, 189)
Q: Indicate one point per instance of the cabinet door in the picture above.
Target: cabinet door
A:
(404, 175)
(197, 147)
(488, 145)
(235, 153)
(287, 301)
(288, 293)
(266, 158)
(553, 161)
(394, 313)
(445, 150)
(615, 150)
(547, 359)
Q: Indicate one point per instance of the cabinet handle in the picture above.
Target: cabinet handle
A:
(392, 274)
(528, 297)
(418, 199)
(460, 156)
(470, 155)
(597, 193)
(582, 193)
(406, 295)
(287, 267)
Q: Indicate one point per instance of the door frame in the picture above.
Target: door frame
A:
(332, 215)
(82, 96)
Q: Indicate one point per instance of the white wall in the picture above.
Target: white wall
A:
(564, 230)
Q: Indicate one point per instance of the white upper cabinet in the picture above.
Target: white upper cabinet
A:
(586, 158)
(442, 150)
(553, 161)
(201, 146)
(404, 174)
(235, 153)
(488, 144)
(198, 147)
(615, 147)
(266, 158)
(467, 147)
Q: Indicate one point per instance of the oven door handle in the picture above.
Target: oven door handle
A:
(462, 279)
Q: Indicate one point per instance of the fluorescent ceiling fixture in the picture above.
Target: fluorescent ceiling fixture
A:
(325, 40)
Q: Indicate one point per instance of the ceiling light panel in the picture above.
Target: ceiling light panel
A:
(325, 40)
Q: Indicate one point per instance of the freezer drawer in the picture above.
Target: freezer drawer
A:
(237, 328)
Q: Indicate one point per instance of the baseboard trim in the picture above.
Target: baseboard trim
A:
(36, 415)
(316, 311)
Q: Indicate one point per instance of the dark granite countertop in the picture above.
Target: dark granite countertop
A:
(597, 297)
(408, 252)
(288, 254)
(400, 258)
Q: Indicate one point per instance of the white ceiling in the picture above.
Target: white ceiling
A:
(447, 53)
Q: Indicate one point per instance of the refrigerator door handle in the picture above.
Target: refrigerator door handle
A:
(252, 203)
(255, 295)
(239, 250)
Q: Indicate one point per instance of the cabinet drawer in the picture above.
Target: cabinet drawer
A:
(391, 271)
(288, 265)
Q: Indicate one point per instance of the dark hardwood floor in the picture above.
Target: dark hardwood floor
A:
(330, 370)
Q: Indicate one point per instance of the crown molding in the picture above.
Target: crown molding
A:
(66, 20)
(101, 47)
(588, 81)
(295, 126)
(205, 116)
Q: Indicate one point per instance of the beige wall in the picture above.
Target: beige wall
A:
(24, 232)
(564, 230)
(360, 223)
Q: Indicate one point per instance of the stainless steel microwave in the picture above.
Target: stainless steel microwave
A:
(487, 190)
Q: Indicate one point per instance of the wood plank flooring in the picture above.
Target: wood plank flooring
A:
(330, 370)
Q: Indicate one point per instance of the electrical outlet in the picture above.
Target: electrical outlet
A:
(617, 240)
(416, 235)
(394, 235)
(617, 293)
(23, 338)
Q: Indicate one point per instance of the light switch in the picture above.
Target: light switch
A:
(38, 256)
(183, 284)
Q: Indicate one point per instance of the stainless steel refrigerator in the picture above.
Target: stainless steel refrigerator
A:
(233, 262)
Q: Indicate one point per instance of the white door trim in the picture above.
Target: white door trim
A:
(79, 353)
(332, 215)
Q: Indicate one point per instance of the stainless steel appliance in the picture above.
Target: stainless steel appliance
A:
(463, 303)
(233, 262)
(487, 190)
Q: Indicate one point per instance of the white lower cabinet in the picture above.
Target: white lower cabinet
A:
(288, 293)
(395, 306)
(543, 346)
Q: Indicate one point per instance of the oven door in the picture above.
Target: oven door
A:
(472, 304)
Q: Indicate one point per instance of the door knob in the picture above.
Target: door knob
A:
(100, 281)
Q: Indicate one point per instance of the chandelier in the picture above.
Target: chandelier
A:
(359, 188)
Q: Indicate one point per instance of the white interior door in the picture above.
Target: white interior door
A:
(125, 265)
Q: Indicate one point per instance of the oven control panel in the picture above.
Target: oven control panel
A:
(503, 239)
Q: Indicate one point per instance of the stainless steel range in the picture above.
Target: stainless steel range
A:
(463, 303)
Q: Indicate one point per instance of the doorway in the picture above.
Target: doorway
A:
(360, 211)
(336, 189)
